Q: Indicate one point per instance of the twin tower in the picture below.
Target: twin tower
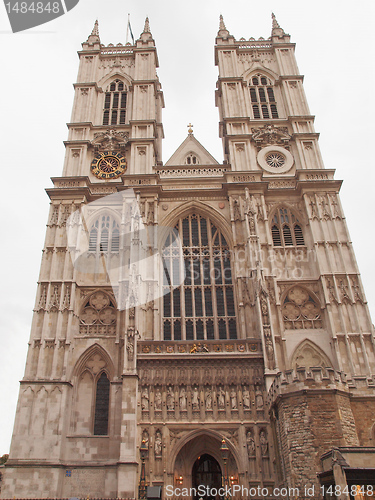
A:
(196, 323)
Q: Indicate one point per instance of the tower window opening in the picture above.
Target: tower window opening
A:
(191, 159)
(115, 104)
(263, 93)
(286, 229)
(104, 235)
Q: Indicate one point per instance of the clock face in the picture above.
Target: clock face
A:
(108, 165)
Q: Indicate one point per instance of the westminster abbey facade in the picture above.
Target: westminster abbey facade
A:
(195, 322)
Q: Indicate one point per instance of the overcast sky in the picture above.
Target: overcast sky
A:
(335, 52)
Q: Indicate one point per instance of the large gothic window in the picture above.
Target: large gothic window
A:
(115, 104)
(286, 229)
(202, 308)
(262, 97)
(104, 235)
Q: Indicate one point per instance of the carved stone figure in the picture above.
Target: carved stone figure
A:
(195, 399)
(220, 398)
(145, 438)
(182, 399)
(246, 398)
(158, 400)
(145, 399)
(233, 398)
(259, 399)
(170, 399)
(208, 399)
(158, 444)
(263, 443)
(250, 444)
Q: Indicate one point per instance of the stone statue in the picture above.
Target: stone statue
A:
(158, 400)
(145, 399)
(259, 399)
(246, 398)
(195, 400)
(233, 398)
(170, 399)
(250, 444)
(263, 443)
(145, 438)
(221, 398)
(158, 444)
(208, 399)
(182, 399)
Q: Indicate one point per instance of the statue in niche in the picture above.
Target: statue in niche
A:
(158, 400)
(259, 399)
(220, 398)
(170, 399)
(158, 444)
(263, 443)
(250, 444)
(246, 398)
(236, 211)
(208, 399)
(195, 399)
(145, 438)
(233, 398)
(145, 399)
(182, 399)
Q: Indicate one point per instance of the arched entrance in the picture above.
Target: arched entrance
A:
(206, 472)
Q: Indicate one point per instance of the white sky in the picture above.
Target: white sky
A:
(335, 52)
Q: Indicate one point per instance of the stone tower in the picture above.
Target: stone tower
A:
(236, 348)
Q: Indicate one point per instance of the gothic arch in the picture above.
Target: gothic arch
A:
(301, 216)
(203, 209)
(259, 68)
(106, 362)
(188, 438)
(109, 77)
(301, 308)
(307, 354)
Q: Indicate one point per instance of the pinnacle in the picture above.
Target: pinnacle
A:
(275, 24)
(222, 25)
(94, 37)
(95, 30)
(146, 29)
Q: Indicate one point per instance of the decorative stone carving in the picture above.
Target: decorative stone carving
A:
(220, 398)
(233, 398)
(236, 211)
(170, 399)
(259, 399)
(269, 135)
(145, 399)
(300, 310)
(158, 400)
(182, 399)
(246, 398)
(110, 140)
(145, 438)
(158, 444)
(208, 399)
(263, 443)
(195, 399)
(250, 443)
(54, 299)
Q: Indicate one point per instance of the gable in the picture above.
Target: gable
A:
(191, 153)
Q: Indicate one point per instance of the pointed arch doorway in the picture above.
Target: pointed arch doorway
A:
(207, 472)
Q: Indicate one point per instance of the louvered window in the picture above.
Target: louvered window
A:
(115, 104)
(203, 306)
(261, 91)
(286, 230)
(104, 235)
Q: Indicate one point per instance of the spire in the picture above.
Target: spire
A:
(94, 37)
(146, 29)
(223, 32)
(276, 29)
(95, 30)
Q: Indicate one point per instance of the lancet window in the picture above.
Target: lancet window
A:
(262, 97)
(286, 229)
(101, 405)
(202, 306)
(115, 104)
(104, 235)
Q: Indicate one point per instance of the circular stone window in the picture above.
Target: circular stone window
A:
(275, 159)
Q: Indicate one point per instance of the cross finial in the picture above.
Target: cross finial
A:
(190, 129)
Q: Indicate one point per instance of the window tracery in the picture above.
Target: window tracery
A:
(104, 235)
(203, 306)
(262, 97)
(98, 315)
(115, 104)
(300, 310)
(286, 229)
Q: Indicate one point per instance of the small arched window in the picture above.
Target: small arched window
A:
(262, 97)
(286, 229)
(101, 406)
(191, 159)
(104, 235)
(115, 104)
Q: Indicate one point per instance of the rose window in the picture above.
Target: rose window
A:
(275, 159)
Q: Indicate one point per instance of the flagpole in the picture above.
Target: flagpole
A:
(127, 29)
